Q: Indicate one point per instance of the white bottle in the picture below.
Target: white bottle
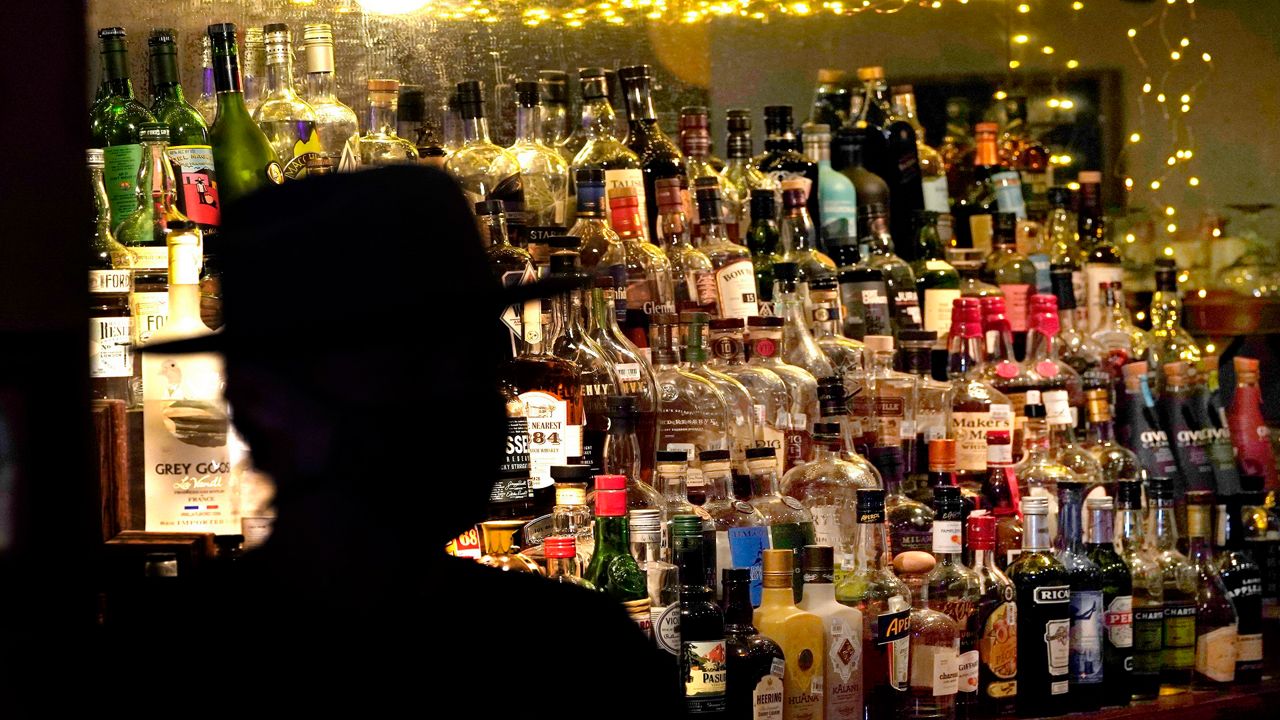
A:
(842, 634)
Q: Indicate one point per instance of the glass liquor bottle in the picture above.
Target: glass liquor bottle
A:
(909, 522)
(1020, 151)
(1115, 333)
(836, 196)
(411, 116)
(1262, 533)
(571, 514)
(884, 601)
(613, 570)
(1207, 408)
(145, 230)
(800, 634)
(849, 157)
(790, 523)
(740, 172)
(695, 144)
(255, 67)
(1000, 367)
(553, 89)
(1216, 620)
(509, 264)
(562, 561)
(933, 401)
(1118, 462)
(702, 635)
(842, 634)
(207, 103)
(335, 122)
(692, 278)
(1059, 383)
(1117, 602)
(845, 354)
(976, 406)
(592, 225)
(1040, 470)
(1244, 417)
(1242, 577)
(242, 153)
(1087, 601)
(875, 245)
(1148, 591)
(831, 99)
(111, 358)
(635, 375)
(380, 145)
(1064, 250)
(827, 486)
(1043, 593)
(285, 118)
(115, 122)
(1102, 264)
(892, 396)
(1169, 342)
(763, 238)
(996, 622)
(968, 262)
(1138, 425)
(1003, 497)
(189, 150)
(693, 415)
(623, 454)
(735, 286)
(796, 232)
(1077, 348)
(957, 148)
(935, 651)
(798, 346)
(1178, 576)
(1010, 270)
(872, 117)
(864, 295)
(976, 201)
(741, 431)
(933, 172)
(659, 157)
(769, 397)
(482, 168)
(576, 137)
(937, 282)
(451, 124)
(511, 496)
(802, 388)
(955, 590)
(782, 159)
(753, 661)
(543, 172)
(741, 532)
(646, 269)
(1190, 443)
(601, 147)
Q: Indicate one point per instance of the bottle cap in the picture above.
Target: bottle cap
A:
(732, 323)
(646, 520)
(878, 343)
(913, 335)
(709, 456)
(888, 460)
(761, 453)
(560, 546)
(673, 456)
(1102, 502)
(982, 532)
(634, 72)
(1251, 484)
(831, 76)
(469, 92)
(611, 482)
(610, 502)
(1035, 505)
(1129, 494)
(1160, 488)
(828, 430)
(778, 567)
(489, 207)
(816, 131)
(735, 576)
(764, 322)
(161, 36)
(872, 72)
(93, 156)
(382, 85)
(738, 120)
(686, 526)
(118, 32)
(984, 128)
(217, 31)
(942, 454)
(777, 112)
(870, 502)
(818, 564)
(411, 106)
(571, 473)
(528, 93)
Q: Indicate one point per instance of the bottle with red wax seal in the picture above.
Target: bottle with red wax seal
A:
(1043, 361)
(612, 570)
(976, 406)
(1001, 367)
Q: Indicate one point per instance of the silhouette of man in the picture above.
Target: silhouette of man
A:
(359, 313)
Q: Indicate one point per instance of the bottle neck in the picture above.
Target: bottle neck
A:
(818, 150)
(764, 481)
(640, 102)
(689, 558)
(1230, 526)
(474, 129)
(165, 81)
(156, 180)
(1132, 534)
(737, 609)
(673, 483)
(382, 114)
(1036, 440)
(321, 86)
(1164, 527)
(101, 205)
(929, 242)
(612, 535)
(964, 353)
(598, 119)
(873, 541)
(795, 229)
(528, 124)
(115, 68)
(646, 547)
(602, 313)
(1035, 533)
(226, 68)
(1041, 346)
(986, 155)
(280, 75)
(738, 146)
(557, 567)
(1198, 534)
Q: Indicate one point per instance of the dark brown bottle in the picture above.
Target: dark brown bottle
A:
(754, 662)
(659, 157)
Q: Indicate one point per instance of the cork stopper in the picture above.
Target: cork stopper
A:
(942, 455)
(778, 565)
(1246, 369)
(1133, 374)
(1177, 374)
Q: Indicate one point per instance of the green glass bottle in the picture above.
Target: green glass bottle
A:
(612, 569)
(937, 281)
(189, 150)
(114, 122)
(763, 240)
(244, 158)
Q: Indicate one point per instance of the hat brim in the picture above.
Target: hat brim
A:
(515, 294)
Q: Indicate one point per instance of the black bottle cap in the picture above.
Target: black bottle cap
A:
(832, 384)
(217, 31)
(1129, 495)
(162, 36)
(589, 175)
(571, 473)
(554, 86)
(784, 271)
(1160, 488)
(738, 120)
(470, 91)
(490, 207)
(915, 335)
(634, 72)
(870, 501)
(756, 453)
(620, 405)
(714, 455)
(735, 576)
(826, 282)
(777, 112)
(818, 563)
(411, 105)
(1059, 196)
(118, 32)
(1034, 411)
(673, 456)
(827, 429)
(732, 323)
(527, 93)
(764, 322)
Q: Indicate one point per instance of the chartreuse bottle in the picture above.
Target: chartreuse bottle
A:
(244, 158)
(799, 633)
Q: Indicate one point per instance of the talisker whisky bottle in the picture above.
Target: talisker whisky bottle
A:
(1044, 624)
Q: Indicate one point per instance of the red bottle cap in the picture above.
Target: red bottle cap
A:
(559, 546)
(1045, 299)
(982, 532)
(991, 304)
(611, 482)
(670, 199)
(611, 503)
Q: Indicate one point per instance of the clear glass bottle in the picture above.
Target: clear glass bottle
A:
(662, 579)
(933, 399)
(735, 284)
(847, 355)
(933, 172)
(770, 400)
(693, 415)
(996, 618)
(875, 245)
(1077, 348)
(623, 454)
(827, 486)
(1121, 340)
(790, 523)
(562, 561)
(741, 431)
(451, 124)
(1178, 656)
(1087, 602)
(842, 633)
(1043, 593)
(380, 145)
(1169, 341)
(799, 243)
(483, 169)
(601, 146)
(1039, 471)
(335, 122)
(741, 532)
(798, 346)
(571, 514)
(1064, 249)
(1102, 264)
(288, 121)
(1148, 590)
(1217, 624)
(892, 396)
(955, 590)
(741, 173)
(255, 68)
(1003, 498)
(1117, 602)
(802, 388)
(645, 268)
(553, 88)
(1118, 462)
(671, 477)
(635, 374)
(693, 280)
(935, 651)
(592, 225)
(937, 281)
(544, 173)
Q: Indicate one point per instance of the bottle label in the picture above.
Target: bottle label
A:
(799, 447)
(1216, 654)
(746, 550)
(120, 177)
(110, 281)
(935, 667)
(967, 665)
(638, 611)
(826, 525)
(666, 626)
(150, 312)
(1009, 198)
(998, 648)
(1057, 646)
(186, 452)
(1086, 636)
(866, 309)
(980, 231)
(935, 194)
(906, 307)
(1095, 274)
(766, 698)
(632, 178)
(1119, 621)
(1179, 637)
(1082, 301)
(550, 435)
(894, 630)
(946, 537)
(890, 409)
(1017, 298)
(110, 347)
(702, 287)
(970, 431)
(937, 310)
(628, 372)
(512, 483)
(1057, 407)
(1148, 624)
(197, 183)
(736, 290)
(1041, 263)
(1249, 648)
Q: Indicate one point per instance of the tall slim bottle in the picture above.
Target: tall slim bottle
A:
(978, 202)
(1178, 658)
(601, 147)
(207, 103)
(1248, 430)
(1102, 264)
(1043, 592)
(111, 357)
(659, 157)
(735, 287)
(1217, 624)
(1189, 440)
(189, 150)
(997, 623)
(114, 123)
(1117, 602)
(483, 169)
(933, 172)
(336, 123)
(782, 159)
(937, 282)
(1138, 426)
(799, 633)
(242, 154)
(1207, 408)
(842, 636)
(740, 171)
(288, 121)
(1148, 590)
(544, 172)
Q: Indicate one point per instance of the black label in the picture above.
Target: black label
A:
(1054, 594)
(1147, 614)
(893, 626)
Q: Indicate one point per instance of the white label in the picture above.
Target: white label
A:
(570, 495)
(632, 178)
(1216, 654)
(970, 431)
(1249, 648)
(799, 421)
(946, 671)
(778, 668)
(946, 537)
(549, 435)
(1058, 688)
(1057, 640)
(110, 281)
(826, 525)
(628, 372)
(150, 312)
(844, 646)
(760, 411)
(736, 289)
(1056, 407)
(766, 697)
(935, 194)
(666, 627)
(874, 297)
(968, 668)
(110, 347)
(937, 309)
(1095, 274)
(1119, 621)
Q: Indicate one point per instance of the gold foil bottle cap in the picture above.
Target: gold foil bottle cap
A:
(1099, 405)
(778, 568)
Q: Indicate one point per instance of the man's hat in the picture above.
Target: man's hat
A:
(354, 258)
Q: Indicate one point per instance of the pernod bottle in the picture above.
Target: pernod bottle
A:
(1117, 603)
(1044, 626)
